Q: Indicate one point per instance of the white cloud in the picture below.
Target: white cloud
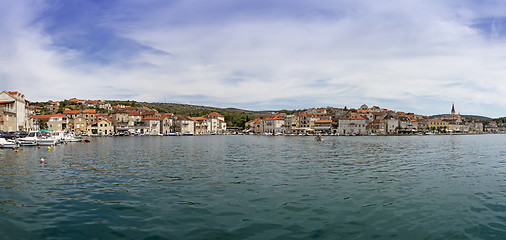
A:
(423, 54)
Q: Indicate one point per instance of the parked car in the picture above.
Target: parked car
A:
(20, 134)
(6, 135)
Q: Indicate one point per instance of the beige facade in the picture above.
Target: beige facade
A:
(153, 125)
(352, 124)
(167, 123)
(90, 115)
(184, 124)
(200, 125)
(7, 121)
(120, 120)
(100, 128)
(79, 124)
(13, 110)
(58, 122)
(256, 125)
(274, 125)
(215, 123)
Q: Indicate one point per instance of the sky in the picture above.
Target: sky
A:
(407, 55)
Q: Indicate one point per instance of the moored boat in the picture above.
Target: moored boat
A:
(46, 138)
(4, 143)
(29, 140)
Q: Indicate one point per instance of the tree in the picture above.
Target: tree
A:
(175, 128)
(42, 124)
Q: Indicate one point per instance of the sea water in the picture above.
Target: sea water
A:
(257, 187)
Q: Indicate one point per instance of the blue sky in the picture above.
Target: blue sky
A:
(414, 56)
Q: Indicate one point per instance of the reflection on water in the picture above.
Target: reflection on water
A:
(233, 187)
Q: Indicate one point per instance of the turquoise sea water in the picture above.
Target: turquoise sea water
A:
(257, 187)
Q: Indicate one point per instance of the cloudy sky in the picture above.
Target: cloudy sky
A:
(414, 56)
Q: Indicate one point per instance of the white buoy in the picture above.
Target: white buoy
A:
(42, 160)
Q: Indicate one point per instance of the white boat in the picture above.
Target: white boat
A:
(59, 136)
(29, 140)
(46, 138)
(7, 143)
(72, 138)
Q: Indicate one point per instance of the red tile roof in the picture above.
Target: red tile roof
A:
(71, 112)
(353, 116)
(43, 117)
(198, 119)
(215, 114)
(274, 118)
(133, 113)
(58, 115)
(323, 121)
(90, 110)
(150, 118)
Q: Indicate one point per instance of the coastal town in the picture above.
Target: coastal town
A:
(101, 118)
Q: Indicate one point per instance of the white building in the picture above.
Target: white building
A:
(153, 124)
(274, 125)
(351, 124)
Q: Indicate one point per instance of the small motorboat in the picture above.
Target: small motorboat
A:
(29, 140)
(318, 138)
(4, 143)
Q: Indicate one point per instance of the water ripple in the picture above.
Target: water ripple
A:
(256, 187)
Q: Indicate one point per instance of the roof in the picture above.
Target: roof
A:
(323, 121)
(90, 110)
(215, 114)
(198, 119)
(75, 100)
(104, 119)
(6, 102)
(274, 118)
(43, 117)
(181, 117)
(58, 115)
(151, 118)
(256, 120)
(133, 113)
(166, 115)
(353, 116)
